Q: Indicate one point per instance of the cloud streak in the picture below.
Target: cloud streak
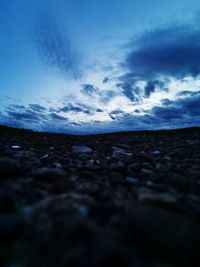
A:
(53, 47)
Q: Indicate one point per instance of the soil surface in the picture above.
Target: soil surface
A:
(129, 199)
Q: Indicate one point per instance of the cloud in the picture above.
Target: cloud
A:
(183, 112)
(54, 47)
(33, 112)
(132, 93)
(149, 89)
(99, 110)
(16, 107)
(106, 80)
(188, 93)
(102, 96)
(180, 108)
(171, 51)
(89, 89)
(55, 116)
(107, 95)
(166, 102)
(116, 112)
(37, 107)
(75, 108)
(23, 115)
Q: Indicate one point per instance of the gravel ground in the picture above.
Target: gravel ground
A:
(128, 199)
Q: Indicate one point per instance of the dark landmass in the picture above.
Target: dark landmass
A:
(122, 199)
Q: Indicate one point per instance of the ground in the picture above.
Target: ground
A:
(122, 199)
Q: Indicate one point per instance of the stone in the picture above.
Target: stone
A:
(45, 156)
(81, 149)
(156, 153)
(15, 147)
(117, 152)
(148, 196)
(161, 167)
(131, 180)
(146, 171)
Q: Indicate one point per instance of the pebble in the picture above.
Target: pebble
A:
(81, 149)
(131, 180)
(148, 196)
(147, 171)
(45, 156)
(16, 147)
(161, 167)
(156, 153)
(118, 152)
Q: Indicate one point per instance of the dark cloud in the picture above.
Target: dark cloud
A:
(37, 107)
(116, 112)
(107, 95)
(106, 80)
(149, 89)
(166, 102)
(55, 116)
(168, 113)
(16, 107)
(188, 93)
(89, 89)
(172, 51)
(130, 91)
(178, 109)
(137, 111)
(99, 110)
(33, 112)
(191, 105)
(104, 96)
(154, 85)
(75, 108)
(53, 46)
(23, 115)
(182, 112)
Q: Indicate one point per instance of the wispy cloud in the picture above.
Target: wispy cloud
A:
(54, 46)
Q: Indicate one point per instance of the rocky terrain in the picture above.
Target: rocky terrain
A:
(127, 199)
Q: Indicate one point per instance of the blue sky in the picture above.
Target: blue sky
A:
(97, 66)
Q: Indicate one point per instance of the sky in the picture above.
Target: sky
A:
(74, 66)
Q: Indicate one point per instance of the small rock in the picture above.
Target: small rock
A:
(57, 164)
(147, 171)
(156, 153)
(44, 156)
(120, 152)
(81, 149)
(132, 180)
(148, 196)
(94, 162)
(15, 147)
(160, 167)
(124, 146)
